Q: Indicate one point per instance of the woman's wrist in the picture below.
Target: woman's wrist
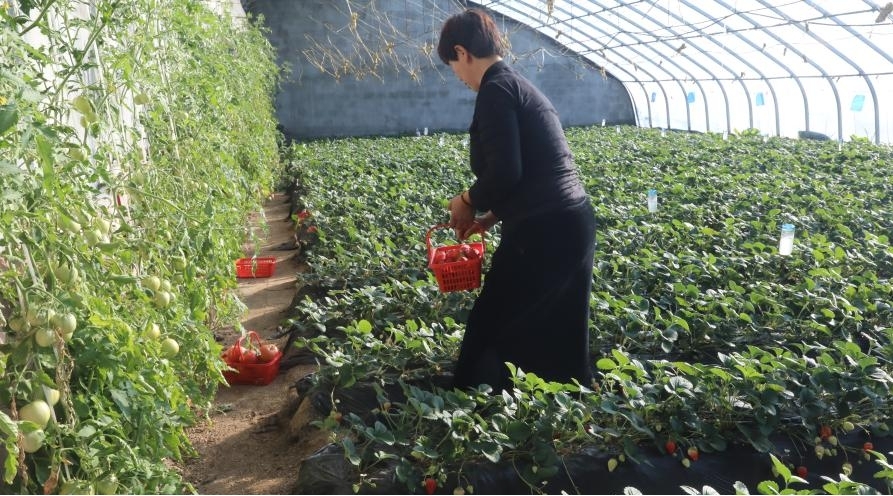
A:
(464, 200)
(487, 221)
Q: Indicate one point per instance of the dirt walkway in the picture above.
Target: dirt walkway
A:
(243, 450)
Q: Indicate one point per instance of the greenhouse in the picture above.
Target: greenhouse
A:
(446, 247)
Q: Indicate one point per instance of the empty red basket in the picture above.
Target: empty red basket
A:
(452, 272)
(247, 268)
(256, 374)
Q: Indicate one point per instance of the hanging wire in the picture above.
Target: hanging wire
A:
(369, 41)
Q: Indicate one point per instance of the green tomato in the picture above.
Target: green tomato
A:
(82, 104)
(39, 316)
(66, 274)
(33, 440)
(52, 395)
(170, 347)
(179, 263)
(93, 237)
(62, 273)
(45, 337)
(162, 299)
(152, 282)
(65, 323)
(19, 324)
(75, 486)
(152, 330)
(38, 411)
(109, 485)
(76, 154)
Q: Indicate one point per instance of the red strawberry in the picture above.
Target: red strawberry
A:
(802, 472)
(670, 446)
(825, 432)
(868, 446)
(430, 485)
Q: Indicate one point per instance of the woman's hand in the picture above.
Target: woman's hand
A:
(481, 224)
(461, 214)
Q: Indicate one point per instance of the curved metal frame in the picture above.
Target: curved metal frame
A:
(637, 52)
(647, 98)
(808, 61)
(876, 49)
(748, 64)
(668, 59)
(722, 88)
(581, 42)
(680, 68)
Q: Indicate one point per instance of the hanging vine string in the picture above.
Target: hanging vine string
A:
(371, 42)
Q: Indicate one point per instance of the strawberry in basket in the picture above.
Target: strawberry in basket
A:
(456, 267)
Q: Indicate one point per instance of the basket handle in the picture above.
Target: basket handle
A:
(444, 226)
(252, 336)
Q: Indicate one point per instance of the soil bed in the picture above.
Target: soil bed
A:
(247, 447)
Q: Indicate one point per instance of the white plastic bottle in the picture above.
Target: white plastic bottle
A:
(652, 200)
(786, 242)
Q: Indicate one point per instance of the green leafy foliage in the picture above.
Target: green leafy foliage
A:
(701, 332)
(127, 178)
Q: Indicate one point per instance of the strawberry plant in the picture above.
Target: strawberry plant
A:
(701, 332)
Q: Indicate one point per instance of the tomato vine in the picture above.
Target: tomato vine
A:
(137, 138)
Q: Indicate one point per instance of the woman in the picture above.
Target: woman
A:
(533, 308)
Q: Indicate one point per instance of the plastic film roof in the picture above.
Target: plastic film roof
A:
(779, 66)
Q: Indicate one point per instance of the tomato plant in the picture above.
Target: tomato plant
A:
(103, 324)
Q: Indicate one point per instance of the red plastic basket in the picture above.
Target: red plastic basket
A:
(257, 374)
(462, 275)
(247, 268)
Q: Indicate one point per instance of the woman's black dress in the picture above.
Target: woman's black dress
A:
(533, 308)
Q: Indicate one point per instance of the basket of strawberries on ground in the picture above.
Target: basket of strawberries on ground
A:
(252, 361)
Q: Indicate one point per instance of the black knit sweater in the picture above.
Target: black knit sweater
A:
(519, 153)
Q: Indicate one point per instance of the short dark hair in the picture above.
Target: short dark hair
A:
(475, 30)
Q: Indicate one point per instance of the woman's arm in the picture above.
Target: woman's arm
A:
(497, 160)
